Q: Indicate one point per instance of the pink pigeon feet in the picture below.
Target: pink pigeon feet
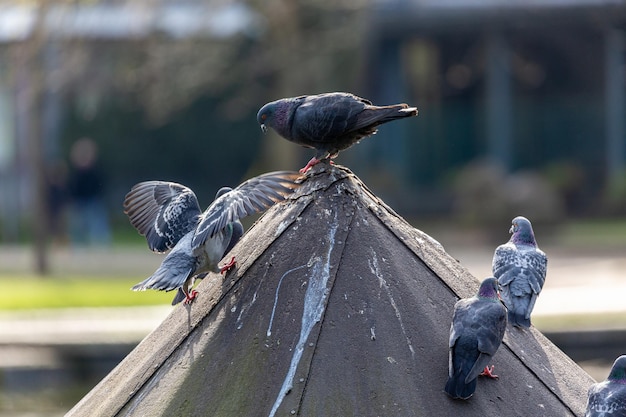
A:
(488, 372)
(190, 296)
(230, 265)
(314, 161)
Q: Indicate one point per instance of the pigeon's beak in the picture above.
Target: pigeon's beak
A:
(264, 128)
(512, 229)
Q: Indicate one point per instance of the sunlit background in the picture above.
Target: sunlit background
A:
(521, 112)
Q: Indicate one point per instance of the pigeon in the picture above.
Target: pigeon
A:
(476, 332)
(520, 267)
(329, 122)
(169, 216)
(608, 398)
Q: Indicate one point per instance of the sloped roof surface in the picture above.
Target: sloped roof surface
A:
(337, 307)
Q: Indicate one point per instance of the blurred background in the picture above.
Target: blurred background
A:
(521, 112)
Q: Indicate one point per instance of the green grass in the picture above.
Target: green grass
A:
(593, 232)
(21, 292)
(580, 321)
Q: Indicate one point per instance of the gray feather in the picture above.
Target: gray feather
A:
(168, 215)
(178, 266)
(253, 196)
(329, 122)
(608, 398)
(162, 211)
(476, 332)
(520, 267)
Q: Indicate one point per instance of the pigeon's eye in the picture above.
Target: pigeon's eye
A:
(264, 116)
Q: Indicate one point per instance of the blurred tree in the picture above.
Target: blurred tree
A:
(242, 54)
(28, 81)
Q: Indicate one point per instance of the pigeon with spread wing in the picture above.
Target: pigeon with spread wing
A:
(169, 216)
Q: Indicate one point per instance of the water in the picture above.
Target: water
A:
(47, 381)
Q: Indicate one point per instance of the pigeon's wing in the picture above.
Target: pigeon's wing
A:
(489, 325)
(253, 196)
(491, 319)
(470, 321)
(505, 264)
(479, 365)
(460, 320)
(606, 399)
(523, 271)
(324, 117)
(535, 265)
(595, 400)
(457, 327)
(162, 211)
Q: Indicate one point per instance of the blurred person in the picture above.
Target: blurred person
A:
(57, 201)
(88, 219)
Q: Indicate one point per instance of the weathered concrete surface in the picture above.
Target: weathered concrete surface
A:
(337, 307)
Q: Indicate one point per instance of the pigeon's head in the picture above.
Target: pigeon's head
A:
(522, 231)
(489, 288)
(618, 371)
(266, 117)
(278, 114)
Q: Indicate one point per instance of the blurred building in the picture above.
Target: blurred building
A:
(525, 84)
(35, 109)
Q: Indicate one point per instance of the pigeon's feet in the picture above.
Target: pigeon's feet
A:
(190, 297)
(488, 372)
(314, 161)
(230, 265)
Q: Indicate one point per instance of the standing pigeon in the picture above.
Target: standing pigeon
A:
(608, 398)
(476, 332)
(329, 122)
(520, 267)
(169, 216)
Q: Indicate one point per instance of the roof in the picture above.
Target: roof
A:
(337, 307)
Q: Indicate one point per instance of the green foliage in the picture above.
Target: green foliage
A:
(579, 322)
(488, 197)
(614, 195)
(30, 292)
(599, 234)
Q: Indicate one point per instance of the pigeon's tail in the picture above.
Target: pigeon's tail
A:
(458, 389)
(377, 115)
(180, 296)
(173, 273)
(518, 319)
(407, 111)
(396, 111)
